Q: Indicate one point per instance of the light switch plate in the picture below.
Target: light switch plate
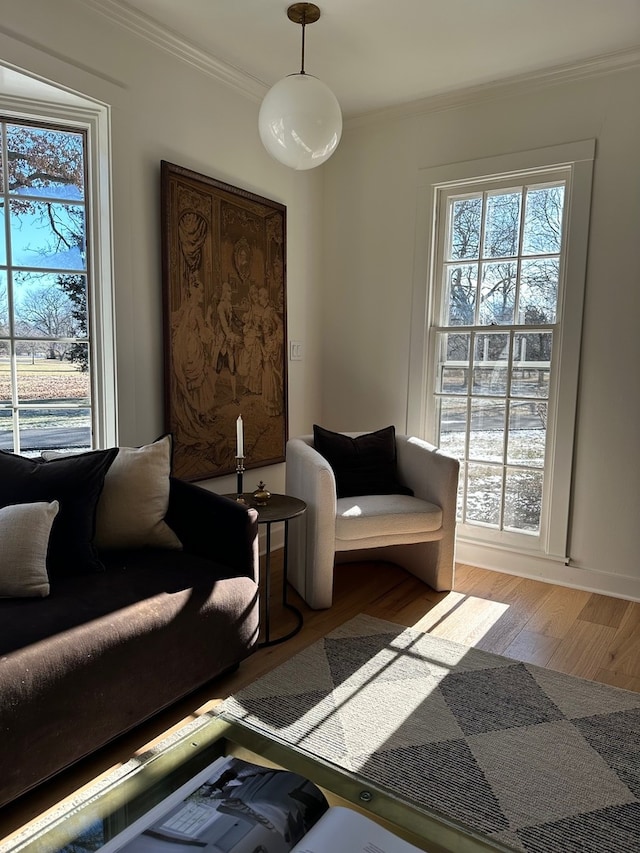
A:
(295, 351)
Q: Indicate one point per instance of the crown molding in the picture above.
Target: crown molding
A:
(144, 27)
(621, 60)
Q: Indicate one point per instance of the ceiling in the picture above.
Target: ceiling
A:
(377, 54)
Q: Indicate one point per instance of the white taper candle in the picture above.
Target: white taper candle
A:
(239, 437)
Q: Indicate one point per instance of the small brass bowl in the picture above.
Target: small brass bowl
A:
(261, 495)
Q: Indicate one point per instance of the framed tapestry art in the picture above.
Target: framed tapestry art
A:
(224, 277)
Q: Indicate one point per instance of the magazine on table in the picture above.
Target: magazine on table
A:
(234, 806)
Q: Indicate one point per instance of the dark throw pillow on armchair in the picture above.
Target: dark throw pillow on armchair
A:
(365, 465)
(75, 482)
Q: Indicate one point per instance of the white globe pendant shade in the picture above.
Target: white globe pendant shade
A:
(300, 121)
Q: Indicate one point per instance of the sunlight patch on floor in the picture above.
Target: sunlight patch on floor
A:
(462, 618)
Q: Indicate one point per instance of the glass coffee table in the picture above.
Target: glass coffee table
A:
(110, 806)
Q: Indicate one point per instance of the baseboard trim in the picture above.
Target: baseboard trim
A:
(547, 570)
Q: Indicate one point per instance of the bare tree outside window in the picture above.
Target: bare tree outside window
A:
(494, 346)
(44, 327)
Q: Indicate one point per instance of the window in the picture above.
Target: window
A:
(498, 309)
(57, 387)
(501, 348)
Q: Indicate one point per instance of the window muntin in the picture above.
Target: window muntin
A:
(501, 260)
(45, 347)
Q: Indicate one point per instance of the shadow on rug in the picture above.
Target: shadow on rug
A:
(538, 760)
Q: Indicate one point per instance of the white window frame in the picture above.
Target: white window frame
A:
(78, 113)
(479, 545)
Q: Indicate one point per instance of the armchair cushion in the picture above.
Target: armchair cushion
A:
(364, 465)
(378, 515)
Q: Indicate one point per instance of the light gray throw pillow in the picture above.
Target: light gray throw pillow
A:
(24, 539)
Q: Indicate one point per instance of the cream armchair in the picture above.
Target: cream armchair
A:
(417, 533)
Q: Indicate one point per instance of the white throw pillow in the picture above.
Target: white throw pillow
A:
(24, 539)
(135, 498)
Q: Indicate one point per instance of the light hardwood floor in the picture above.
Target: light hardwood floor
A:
(580, 633)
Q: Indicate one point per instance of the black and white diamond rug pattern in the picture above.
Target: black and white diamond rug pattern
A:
(538, 760)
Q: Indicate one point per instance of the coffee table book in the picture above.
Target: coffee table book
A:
(106, 813)
(238, 806)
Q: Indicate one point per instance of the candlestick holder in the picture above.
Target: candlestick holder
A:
(239, 473)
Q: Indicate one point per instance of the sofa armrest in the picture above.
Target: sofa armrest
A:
(214, 527)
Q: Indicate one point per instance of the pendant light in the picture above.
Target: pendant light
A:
(300, 121)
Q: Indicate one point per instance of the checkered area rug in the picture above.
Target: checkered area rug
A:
(538, 760)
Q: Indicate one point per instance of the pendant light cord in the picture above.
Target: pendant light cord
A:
(304, 23)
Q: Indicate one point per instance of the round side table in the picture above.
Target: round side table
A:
(279, 508)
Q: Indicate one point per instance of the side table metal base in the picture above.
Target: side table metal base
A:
(280, 508)
(267, 519)
(292, 633)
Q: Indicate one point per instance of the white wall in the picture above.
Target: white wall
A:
(370, 204)
(165, 109)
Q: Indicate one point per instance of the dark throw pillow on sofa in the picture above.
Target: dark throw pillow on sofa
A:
(365, 465)
(75, 482)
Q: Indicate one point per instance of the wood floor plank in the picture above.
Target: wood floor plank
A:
(604, 610)
(493, 585)
(465, 574)
(440, 612)
(623, 653)
(618, 679)
(532, 648)
(408, 596)
(523, 598)
(559, 613)
(471, 620)
(583, 650)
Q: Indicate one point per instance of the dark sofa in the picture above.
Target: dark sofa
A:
(105, 651)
